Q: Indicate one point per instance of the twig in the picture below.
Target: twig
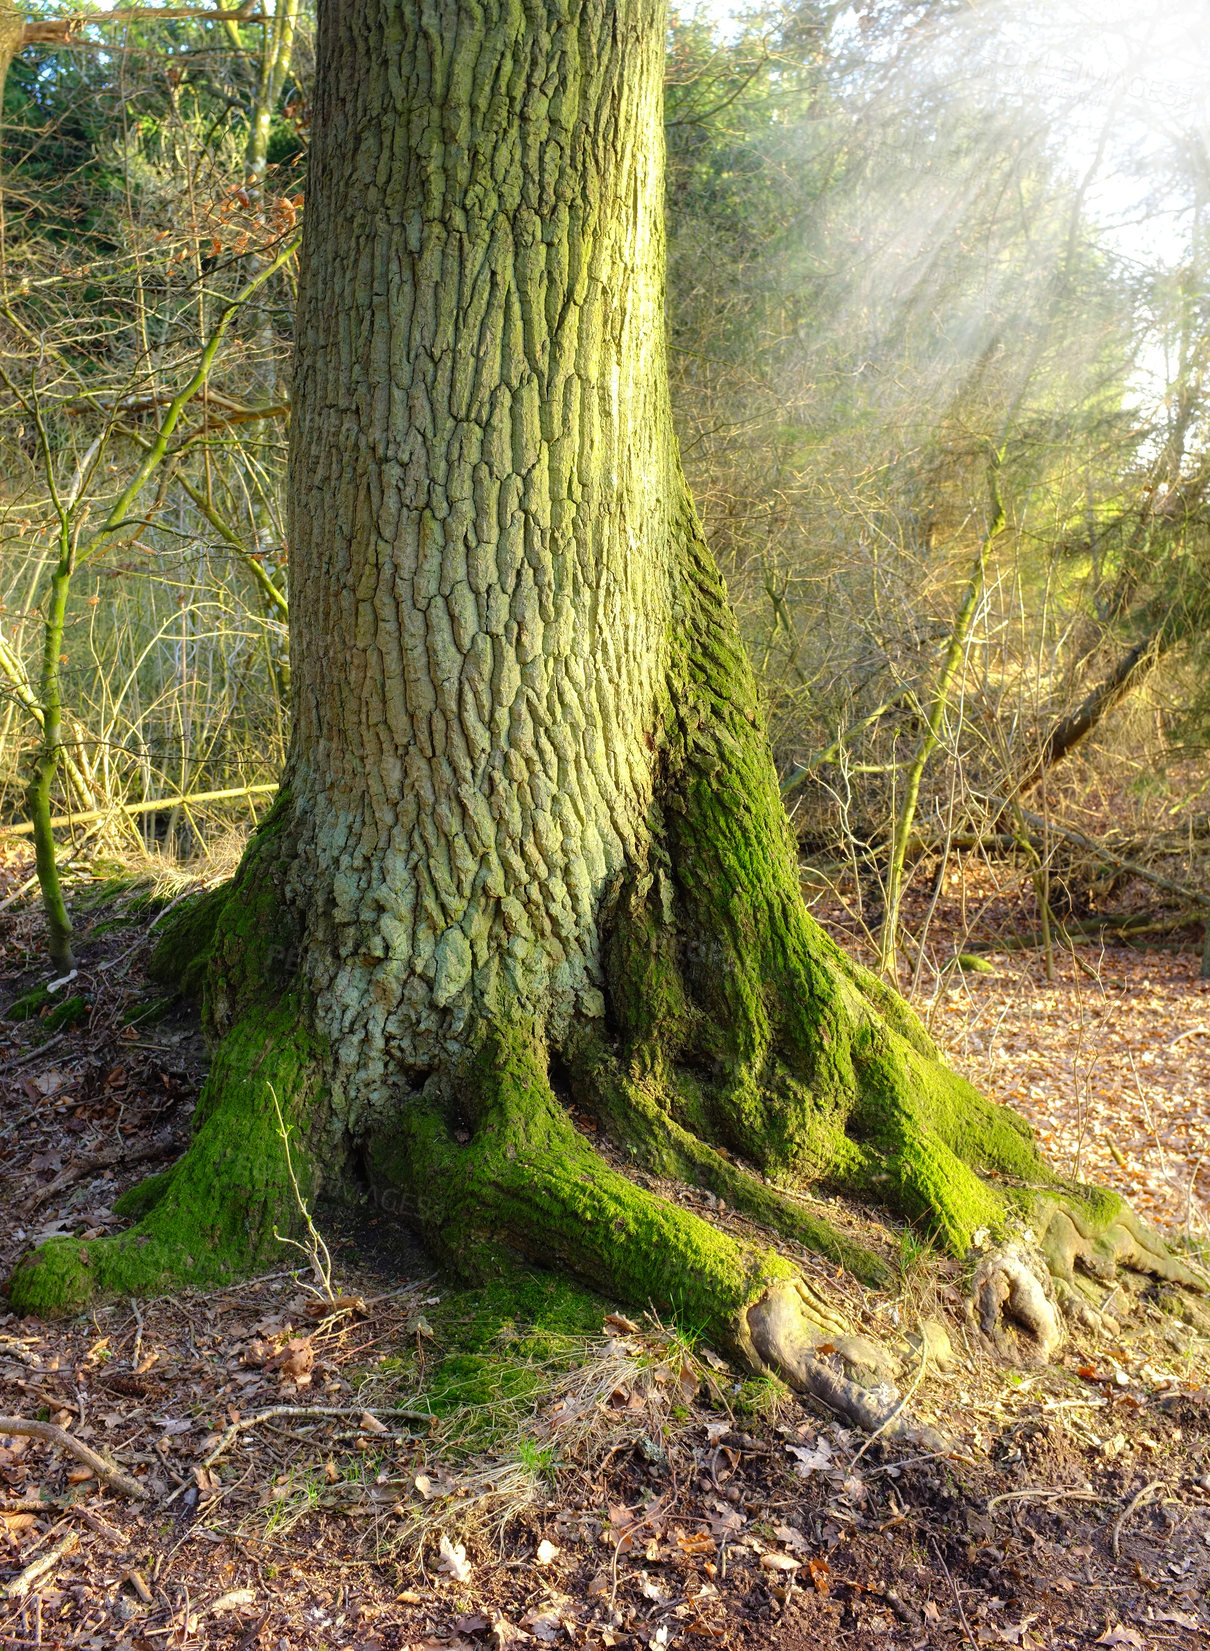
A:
(21, 1586)
(24, 1060)
(161, 1147)
(954, 1591)
(274, 1411)
(105, 1471)
(1043, 1493)
(101, 1528)
(136, 1356)
(1136, 1501)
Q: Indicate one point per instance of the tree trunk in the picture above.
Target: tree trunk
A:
(529, 846)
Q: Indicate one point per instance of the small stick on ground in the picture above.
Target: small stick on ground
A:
(1136, 1502)
(275, 1411)
(33, 1573)
(105, 1471)
(954, 1591)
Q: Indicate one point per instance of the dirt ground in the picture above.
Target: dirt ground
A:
(438, 1475)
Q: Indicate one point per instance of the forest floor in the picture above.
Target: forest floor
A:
(453, 1469)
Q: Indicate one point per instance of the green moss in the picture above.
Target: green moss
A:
(182, 954)
(30, 1004)
(535, 1310)
(141, 1199)
(744, 1027)
(212, 1216)
(524, 1184)
(56, 1013)
(68, 1013)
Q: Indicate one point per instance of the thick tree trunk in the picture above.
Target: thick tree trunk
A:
(529, 844)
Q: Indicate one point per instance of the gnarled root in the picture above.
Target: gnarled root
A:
(794, 1333)
(1094, 1255)
(1012, 1300)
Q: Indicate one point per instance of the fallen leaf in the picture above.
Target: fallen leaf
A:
(792, 1538)
(295, 1360)
(371, 1424)
(821, 1575)
(811, 1459)
(473, 1624)
(698, 1543)
(237, 1600)
(504, 1633)
(454, 1560)
(1118, 1635)
(778, 1562)
(619, 1321)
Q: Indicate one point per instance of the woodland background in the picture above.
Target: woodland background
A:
(938, 308)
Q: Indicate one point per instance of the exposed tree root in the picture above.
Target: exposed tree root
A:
(1013, 1303)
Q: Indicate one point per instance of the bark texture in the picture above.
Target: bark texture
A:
(529, 846)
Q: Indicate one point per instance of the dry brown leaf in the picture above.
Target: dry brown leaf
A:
(237, 1600)
(454, 1561)
(778, 1562)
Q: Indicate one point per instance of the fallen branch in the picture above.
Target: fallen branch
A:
(1197, 896)
(162, 1147)
(1123, 924)
(25, 829)
(33, 1574)
(105, 1471)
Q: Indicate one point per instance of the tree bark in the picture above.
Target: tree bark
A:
(529, 845)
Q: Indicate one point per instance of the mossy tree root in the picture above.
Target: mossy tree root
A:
(514, 1179)
(213, 1215)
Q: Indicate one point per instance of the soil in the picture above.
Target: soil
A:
(627, 1489)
